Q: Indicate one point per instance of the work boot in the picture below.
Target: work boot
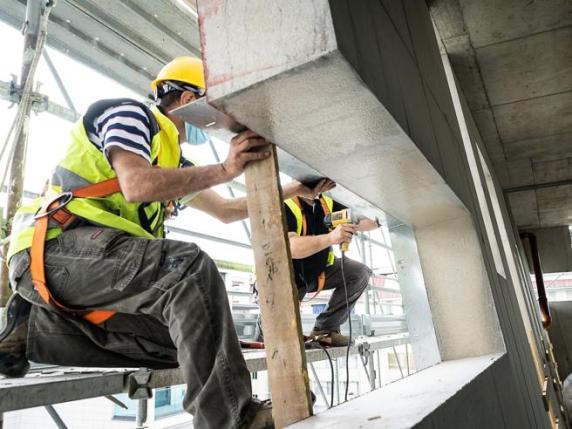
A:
(330, 338)
(14, 337)
(263, 418)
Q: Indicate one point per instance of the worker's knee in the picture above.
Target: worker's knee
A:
(360, 275)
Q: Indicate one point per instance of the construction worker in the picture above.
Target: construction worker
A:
(94, 282)
(315, 266)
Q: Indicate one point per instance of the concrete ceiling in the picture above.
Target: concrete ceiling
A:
(127, 40)
(513, 61)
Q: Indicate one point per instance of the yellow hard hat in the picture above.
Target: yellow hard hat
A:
(183, 69)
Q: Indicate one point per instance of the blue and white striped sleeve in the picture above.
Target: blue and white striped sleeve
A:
(127, 127)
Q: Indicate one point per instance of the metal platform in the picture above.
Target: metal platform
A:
(47, 385)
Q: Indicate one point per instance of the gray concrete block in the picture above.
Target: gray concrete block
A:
(534, 118)
(554, 198)
(534, 66)
(519, 173)
(543, 148)
(552, 171)
(555, 217)
(555, 205)
(524, 209)
(493, 21)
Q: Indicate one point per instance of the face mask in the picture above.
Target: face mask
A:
(195, 136)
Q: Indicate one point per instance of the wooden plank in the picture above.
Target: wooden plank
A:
(286, 360)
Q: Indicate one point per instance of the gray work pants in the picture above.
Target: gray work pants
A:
(172, 311)
(335, 314)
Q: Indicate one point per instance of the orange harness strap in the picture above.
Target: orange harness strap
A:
(54, 209)
(326, 209)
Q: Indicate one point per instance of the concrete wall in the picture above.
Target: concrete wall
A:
(410, 82)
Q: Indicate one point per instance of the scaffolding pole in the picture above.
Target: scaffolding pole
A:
(35, 24)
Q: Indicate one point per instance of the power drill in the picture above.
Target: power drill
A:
(341, 217)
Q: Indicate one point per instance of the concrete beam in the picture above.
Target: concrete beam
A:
(286, 92)
(305, 95)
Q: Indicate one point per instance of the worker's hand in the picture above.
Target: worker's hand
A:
(323, 185)
(342, 234)
(244, 148)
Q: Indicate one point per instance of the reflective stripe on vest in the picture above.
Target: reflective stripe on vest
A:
(295, 207)
(85, 164)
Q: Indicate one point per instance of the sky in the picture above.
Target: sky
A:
(49, 137)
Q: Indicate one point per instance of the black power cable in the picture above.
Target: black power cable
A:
(350, 325)
(332, 375)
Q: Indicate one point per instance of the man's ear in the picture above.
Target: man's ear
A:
(187, 97)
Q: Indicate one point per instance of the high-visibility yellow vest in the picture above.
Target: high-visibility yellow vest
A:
(85, 164)
(296, 208)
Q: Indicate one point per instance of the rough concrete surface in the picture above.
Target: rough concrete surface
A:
(396, 407)
(513, 58)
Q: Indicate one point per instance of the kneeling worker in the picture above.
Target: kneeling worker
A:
(98, 285)
(315, 266)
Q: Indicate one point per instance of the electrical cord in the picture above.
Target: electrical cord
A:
(350, 326)
(332, 375)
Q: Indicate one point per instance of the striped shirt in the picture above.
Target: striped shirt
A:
(125, 126)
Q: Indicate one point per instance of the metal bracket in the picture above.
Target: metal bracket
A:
(116, 401)
(138, 384)
(39, 101)
(366, 357)
(545, 394)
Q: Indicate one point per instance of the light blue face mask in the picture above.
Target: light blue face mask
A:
(195, 136)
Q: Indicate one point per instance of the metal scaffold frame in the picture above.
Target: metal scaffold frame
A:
(70, 384)
(35, 33)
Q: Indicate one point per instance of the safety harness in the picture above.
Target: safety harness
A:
(54, 209)
(302, 230)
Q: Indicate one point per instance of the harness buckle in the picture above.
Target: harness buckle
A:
(64, 198)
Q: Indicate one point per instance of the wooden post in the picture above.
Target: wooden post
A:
(285, 355)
